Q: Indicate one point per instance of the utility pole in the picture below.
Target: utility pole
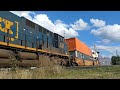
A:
(116, 52)
(95, 47)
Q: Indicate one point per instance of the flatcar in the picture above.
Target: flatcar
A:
(27, 42)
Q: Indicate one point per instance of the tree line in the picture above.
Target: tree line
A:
(115, 60)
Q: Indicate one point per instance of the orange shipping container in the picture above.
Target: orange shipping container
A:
(76, 44)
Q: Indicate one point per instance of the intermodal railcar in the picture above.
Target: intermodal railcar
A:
(81, 54)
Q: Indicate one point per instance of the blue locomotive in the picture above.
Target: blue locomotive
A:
(29, 42)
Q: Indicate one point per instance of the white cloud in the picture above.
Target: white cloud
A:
(17, 13)
(109, 56)
(97, 22)
(80, 25)
(23, 13)
(57, 27)
(110, 49)
(110, 32)
(104, 41)
(62, 29)
(43, 20)
(71, 33)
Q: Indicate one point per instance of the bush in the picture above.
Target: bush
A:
(115, 60)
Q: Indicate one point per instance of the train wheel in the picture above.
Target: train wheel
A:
(74, 64)
(62, 63)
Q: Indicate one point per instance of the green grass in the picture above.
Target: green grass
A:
(110, 72)
(57, 72)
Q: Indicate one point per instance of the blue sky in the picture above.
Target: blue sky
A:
(100, 28)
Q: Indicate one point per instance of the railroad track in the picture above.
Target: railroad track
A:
(69, 67)
(87, 67)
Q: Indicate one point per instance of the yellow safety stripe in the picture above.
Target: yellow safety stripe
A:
(29, 48)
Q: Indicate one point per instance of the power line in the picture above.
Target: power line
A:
(95, 48)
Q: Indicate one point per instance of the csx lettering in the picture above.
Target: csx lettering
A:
(7, 27)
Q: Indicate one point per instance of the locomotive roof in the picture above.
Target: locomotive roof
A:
(35, 23)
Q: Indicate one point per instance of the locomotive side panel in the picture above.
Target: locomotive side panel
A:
(10, 26)
(19, 35)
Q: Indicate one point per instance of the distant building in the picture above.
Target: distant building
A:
(104, 60)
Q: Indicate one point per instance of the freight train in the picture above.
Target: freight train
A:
(81, 53)
(26, 43)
